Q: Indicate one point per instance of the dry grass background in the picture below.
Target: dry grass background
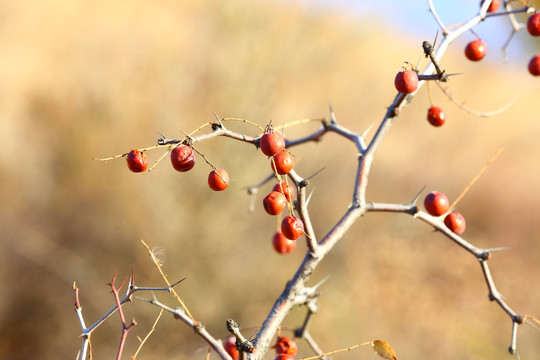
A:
(95, 78)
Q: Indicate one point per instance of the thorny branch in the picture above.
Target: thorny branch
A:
(296, 291)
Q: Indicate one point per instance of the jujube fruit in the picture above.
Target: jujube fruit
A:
(493, 6)
(475, 50)
(183, 158)
(271, 143)
(285, 188)
(534, 65)
(286, 345)
(292, 227)
(533, 24)
(436, 203)
(137, 161)
(230, 348)
(282, 163)
(283, 245)
(218, 180)
(455, 222)
(406, 82)
(274, 203)
(436, 116)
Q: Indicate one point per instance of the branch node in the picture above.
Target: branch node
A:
(486, 255)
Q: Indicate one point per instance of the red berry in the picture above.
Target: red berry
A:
(493, 7)
(285, 345)
(285, 188)
(137, 161)
(230, 348)
(406, 81)
(436, 203)
(292, 227)
(534, 65)
(182, 158)
(274, 203)
(455, 222)
(283, 245)
(475, 50)
(271, 143)
(436, 116)
(282, 162)
(284, 357)
(533, 24)
(218, 180)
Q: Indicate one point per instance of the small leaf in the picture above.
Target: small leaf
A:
(384, 350)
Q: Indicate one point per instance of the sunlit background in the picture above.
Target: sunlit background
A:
(82, 79)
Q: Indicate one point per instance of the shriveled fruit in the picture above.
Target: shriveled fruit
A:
(183, 158)
(533, 24)
(282, 163)
(271, 143)
(285, 188)
(292, 227)
(218, 180)
(436, 203)
(274, 203)
(534, 65)
(137, 161)
(230, 348)
(406, 82)
(436, 116)
(475, 50)
(455, 222)
(283, 245)
(286, 345)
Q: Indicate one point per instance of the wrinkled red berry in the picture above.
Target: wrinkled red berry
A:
(292, 227)
(285, 345)
(182, 158)
(137, 161)
(274, 203)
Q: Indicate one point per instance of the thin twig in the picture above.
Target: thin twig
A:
(143, 341)
(474, 112)
(471, 183)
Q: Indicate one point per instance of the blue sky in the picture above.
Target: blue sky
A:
(413, 16)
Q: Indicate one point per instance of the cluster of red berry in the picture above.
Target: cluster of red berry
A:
(406, 81)
(533, 27)
(182, 159)
(272, 144)
(476, 49)
(436, 204)
(285, 348)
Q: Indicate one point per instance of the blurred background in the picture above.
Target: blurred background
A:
(83, 79)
